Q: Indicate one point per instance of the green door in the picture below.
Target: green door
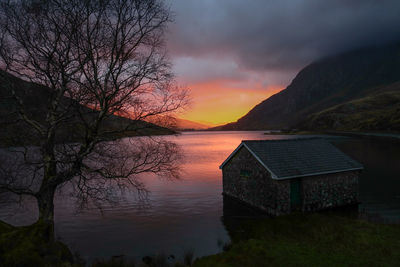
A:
(295, 194)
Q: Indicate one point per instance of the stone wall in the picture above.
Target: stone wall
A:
(329, 190)
(257, 188)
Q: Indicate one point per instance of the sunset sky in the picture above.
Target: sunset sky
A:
(232, 54)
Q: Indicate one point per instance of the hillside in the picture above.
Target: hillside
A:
(323, 84)
(36, 97)
(377, 111)
(182, 124)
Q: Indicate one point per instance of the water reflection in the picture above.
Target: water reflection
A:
(380, 179)
(186, 214)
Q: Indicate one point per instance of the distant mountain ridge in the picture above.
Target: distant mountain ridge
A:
(36, 97)
(323, 84)
(182, 124)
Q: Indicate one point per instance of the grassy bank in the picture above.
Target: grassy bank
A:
(24, 246)
(308, 240)
(374, 112)
(293, 240)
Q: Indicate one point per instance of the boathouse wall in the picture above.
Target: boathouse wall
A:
(247, 180)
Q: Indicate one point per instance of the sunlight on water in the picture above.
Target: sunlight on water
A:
(177, 215)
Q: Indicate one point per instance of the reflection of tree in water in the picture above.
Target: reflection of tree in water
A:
(91, 62)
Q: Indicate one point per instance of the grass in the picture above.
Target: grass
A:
(24, 246)
(309, 240)
(376, 112)
(322, 239)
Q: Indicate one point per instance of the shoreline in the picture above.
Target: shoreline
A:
(369, 135)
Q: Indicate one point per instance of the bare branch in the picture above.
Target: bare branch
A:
(86, 72)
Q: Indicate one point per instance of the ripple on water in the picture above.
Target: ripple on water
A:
(187, 213)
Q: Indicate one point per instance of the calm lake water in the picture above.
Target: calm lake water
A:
(186, 214)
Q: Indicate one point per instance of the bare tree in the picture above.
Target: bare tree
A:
(89, 61)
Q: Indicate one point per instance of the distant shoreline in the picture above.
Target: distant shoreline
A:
(369, 135)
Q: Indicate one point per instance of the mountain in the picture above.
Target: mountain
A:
(324, 84)
(182, 124)
(377, 111)
(35, 99)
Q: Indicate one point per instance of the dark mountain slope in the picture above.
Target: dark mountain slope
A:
(323, 84)
(35, 100)
(377, 111)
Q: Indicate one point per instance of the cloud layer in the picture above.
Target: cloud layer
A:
(262, 44)
(279, 35)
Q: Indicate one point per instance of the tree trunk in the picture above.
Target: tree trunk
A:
(45, 196)
(45, 200)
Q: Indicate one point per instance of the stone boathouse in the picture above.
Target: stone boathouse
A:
(281, 176)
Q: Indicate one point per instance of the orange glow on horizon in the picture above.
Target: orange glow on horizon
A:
(219, 102)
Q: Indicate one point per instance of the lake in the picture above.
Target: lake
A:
(186, 214)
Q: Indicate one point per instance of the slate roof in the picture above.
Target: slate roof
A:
(301, 157)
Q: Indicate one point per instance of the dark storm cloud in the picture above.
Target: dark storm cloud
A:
(266, 35)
